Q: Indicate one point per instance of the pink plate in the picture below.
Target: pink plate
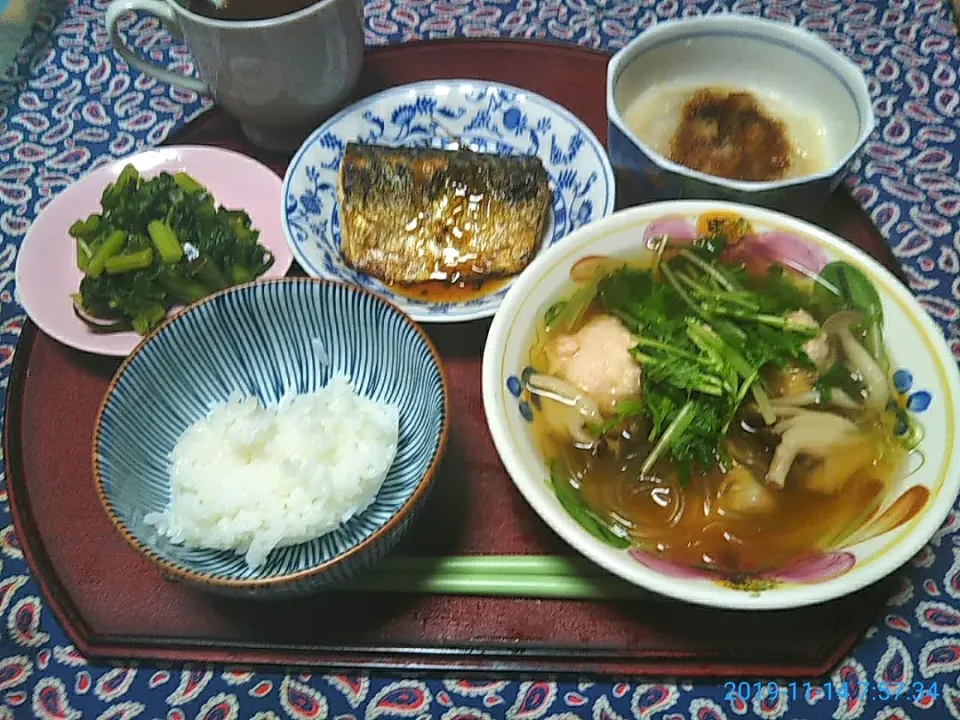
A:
(46, 268)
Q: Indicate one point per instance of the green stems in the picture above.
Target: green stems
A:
(128, 262)
(166, 242)
(110, 247)
(675, 428)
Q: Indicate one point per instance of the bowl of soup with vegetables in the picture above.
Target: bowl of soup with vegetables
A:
(725, 405)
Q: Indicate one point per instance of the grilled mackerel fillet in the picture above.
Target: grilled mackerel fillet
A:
(411, 215)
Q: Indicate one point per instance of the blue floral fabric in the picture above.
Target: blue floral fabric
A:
(76, 105)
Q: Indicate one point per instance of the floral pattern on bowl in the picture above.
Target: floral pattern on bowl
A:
(907, 403)
(481, 116)
(922, 385)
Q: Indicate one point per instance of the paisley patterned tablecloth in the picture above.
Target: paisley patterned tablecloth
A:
(77, 106)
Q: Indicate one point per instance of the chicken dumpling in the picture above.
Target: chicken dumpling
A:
(596, 359)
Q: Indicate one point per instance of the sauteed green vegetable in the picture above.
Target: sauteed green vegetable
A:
(158, 243)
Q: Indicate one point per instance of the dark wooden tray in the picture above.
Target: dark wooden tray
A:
(113, 605)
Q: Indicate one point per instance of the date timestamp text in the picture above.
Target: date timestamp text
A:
(916, 692)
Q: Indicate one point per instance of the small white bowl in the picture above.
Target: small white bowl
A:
(925, 386)
(820, 94)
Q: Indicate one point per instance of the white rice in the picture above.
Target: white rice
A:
(250, 479)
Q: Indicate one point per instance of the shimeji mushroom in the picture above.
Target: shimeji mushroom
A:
(565, 408)
(808, 433)
(874, 379)
(783, 406)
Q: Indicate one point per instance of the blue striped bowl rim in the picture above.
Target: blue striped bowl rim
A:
(356, 550)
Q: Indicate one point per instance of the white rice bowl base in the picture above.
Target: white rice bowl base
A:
(251, 479)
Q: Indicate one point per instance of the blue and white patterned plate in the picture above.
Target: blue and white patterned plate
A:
(481, 116)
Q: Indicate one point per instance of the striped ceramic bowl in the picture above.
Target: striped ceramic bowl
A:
(261, 339)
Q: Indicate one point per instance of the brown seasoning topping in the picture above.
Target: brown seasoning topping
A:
(729, 135)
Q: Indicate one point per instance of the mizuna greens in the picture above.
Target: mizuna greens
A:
(158, 243)
(703, 336)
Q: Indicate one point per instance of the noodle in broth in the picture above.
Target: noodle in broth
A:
(807, 452)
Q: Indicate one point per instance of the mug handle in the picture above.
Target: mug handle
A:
(163, 11)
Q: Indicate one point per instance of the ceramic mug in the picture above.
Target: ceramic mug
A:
(279, 77)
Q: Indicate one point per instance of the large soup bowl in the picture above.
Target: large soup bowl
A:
(924, 387)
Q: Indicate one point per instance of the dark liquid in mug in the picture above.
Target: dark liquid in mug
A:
(246, 9)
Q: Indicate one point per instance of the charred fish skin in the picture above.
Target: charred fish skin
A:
(412, 215)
